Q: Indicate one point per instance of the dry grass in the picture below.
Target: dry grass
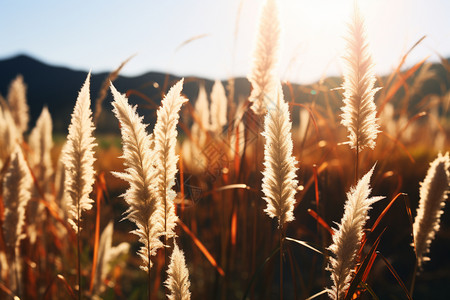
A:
(215, 194)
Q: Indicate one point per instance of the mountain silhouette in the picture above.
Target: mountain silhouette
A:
(57, 87)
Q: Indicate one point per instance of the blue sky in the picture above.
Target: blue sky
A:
(100, 34)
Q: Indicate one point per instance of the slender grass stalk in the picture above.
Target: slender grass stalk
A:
(78, 257)
(279, 184)
(357, 162)
(413, 280)
(263, 75)
(281, 263)
(79, 160)
(359, 110)
(165, 139)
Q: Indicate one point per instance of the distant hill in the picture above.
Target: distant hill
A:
(57, 87)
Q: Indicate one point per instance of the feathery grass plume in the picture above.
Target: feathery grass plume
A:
(16, 194)
(140, 172)
(107, 258)
(41, 143)
(347, 238)
(17, 184)
(201, 111)
(165, 139)
(359, 110)
(304, 124)
(9, 135)
(237, 134)
(40, 161)
(3, 103)
(17, 102)
(387, 119)
(279, 184)
(433, 193)
(178, 276)
(219, 104)
(237, 140)
(4, 266)
(263, 75)
(79, 158)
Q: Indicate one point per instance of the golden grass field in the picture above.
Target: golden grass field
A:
(231, 246)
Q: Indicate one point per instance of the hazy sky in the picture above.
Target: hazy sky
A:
(100, 34)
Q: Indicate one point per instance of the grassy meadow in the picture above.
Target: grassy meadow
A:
(203, 177)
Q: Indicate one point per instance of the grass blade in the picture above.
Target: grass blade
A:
(399, 280)
(61, 278)
(383, 213)
(398, 84)
(321, 221)
(202, 248)
(369, 289)
(317, 295)
(8, 291)
(305, 244)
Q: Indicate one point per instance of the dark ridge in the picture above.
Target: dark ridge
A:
(57, 87)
